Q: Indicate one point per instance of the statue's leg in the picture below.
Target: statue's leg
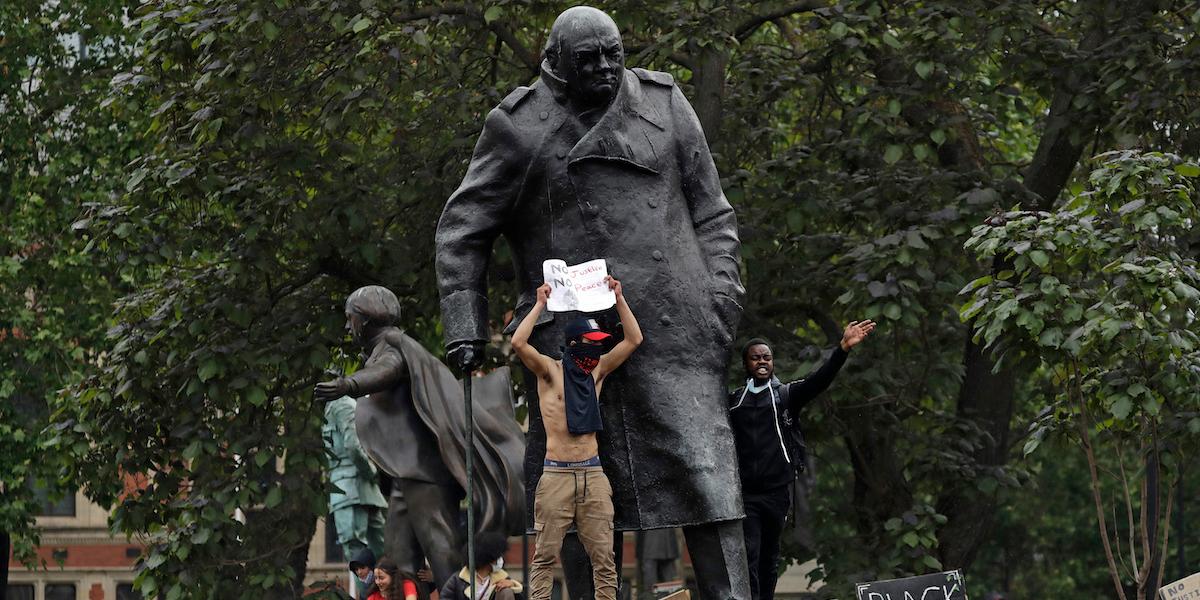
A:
(343, 523)
(436, 526)
(376, 526)
(666, 570)
(594, 520)
(719, 560)
(400, 537)
(647, 575)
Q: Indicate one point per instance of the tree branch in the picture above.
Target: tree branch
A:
(530, 59)
(1086, 439)
(747, 28)
(527, 57)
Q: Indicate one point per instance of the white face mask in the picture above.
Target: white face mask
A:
(499, 564)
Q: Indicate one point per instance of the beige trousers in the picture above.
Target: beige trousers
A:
(579, 495)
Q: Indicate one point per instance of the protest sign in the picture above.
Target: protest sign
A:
(578, 287)
(1187, 588)
(935, 586)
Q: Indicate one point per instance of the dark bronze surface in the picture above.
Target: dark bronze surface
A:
(411, 423)
(564, 169)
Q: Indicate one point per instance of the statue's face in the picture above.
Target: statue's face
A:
(591, 60)
(354, 325)
(759, 363)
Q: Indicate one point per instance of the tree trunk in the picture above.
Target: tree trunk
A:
(708, 79)
(880, 490)
(986, 399)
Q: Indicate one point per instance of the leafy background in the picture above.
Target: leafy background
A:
(190, 189)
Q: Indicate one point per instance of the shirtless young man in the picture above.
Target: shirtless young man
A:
(573, 487)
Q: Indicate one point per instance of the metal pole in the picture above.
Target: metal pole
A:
(470, 481)
(525, 558)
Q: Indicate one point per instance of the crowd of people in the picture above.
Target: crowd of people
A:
(383, 579)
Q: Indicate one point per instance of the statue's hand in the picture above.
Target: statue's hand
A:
(466, 357)
(331, 390)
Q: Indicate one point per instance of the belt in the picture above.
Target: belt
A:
(591, 462)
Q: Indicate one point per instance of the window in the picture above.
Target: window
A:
(63, 507)
(19, 591)
(126, 591)
(60, 591)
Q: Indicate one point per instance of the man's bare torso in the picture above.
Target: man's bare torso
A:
(561, 444)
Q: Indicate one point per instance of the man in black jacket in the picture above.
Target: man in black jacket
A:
(770, 448)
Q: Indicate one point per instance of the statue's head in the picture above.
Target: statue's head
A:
(371, 308)
(585, 51)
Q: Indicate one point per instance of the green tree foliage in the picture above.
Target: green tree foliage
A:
(1104, 292)
(921, 121)
(292, 150)
(60, 156)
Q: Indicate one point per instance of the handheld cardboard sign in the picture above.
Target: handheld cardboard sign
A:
(578, 287)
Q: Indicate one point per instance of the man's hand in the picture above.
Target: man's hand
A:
(331, 390)
(425, 574)
(856, 332)
(543, 294)
(613, 285)
(466, 357)
(504, 584)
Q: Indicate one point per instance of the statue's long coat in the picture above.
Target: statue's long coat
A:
(640, 190)
(415, 429)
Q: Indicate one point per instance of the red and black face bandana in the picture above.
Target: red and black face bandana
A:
(585, 359)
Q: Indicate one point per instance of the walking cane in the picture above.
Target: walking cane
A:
(470, 481)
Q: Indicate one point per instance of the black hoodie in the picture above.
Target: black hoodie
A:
(770, 447)
(366, 558)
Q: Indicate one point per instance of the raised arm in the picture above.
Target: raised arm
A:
(633, 335)
(801, 392)
(533, 360)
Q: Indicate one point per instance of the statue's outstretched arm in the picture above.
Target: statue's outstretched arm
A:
(385, 371)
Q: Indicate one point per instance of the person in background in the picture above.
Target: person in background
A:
(492, 582)
(770, 448)
(657, 552)
(362, 568)
(393, 584)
